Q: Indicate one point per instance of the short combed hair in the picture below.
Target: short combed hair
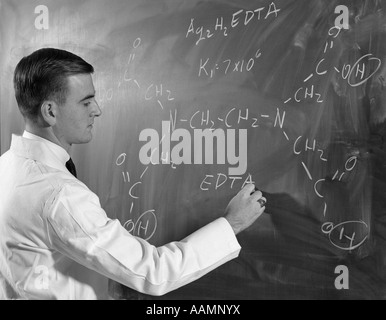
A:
(42, 76)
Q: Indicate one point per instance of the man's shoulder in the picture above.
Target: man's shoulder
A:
(5, 155)
(39, 177)
(28, 176)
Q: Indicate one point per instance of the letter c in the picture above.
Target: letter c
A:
(131, 189)
(295, 144)
(316, 188)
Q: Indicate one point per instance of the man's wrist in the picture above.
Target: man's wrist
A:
(235, 226)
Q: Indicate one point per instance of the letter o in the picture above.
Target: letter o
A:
(137, 43)
(121, 159)
(250, 64)
(355, 159)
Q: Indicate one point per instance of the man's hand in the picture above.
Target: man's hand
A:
(245, 208)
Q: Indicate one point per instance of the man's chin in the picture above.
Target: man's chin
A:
(85, 140)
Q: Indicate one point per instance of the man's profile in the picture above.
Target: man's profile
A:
(56, 241)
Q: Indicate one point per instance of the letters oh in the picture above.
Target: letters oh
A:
(342, 21)
(42, 20)
(342, 282)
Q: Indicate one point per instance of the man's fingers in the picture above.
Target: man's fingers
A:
(256, 196)
(248, 189)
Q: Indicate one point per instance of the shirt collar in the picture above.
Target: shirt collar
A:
(58, 150)
(40, 149)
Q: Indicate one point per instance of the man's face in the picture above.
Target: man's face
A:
(75, 118)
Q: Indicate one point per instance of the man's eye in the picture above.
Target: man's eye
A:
(87, 104)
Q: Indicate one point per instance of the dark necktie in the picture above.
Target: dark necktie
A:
(71, 167)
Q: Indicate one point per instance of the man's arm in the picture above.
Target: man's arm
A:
(79, 228)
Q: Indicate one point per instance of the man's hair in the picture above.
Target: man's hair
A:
(42, 76)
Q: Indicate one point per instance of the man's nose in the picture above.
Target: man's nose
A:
(96, 112)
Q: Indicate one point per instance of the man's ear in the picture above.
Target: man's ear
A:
(49, 112)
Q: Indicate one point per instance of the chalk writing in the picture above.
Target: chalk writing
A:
(175, 146)
(210, 69)
(232, 119)
(307, 93)
(145, 226)
(360, 72)
(356, 75)
(212, 182)
(150, 91)
(305, 145)
(340, 238)
(240, 18)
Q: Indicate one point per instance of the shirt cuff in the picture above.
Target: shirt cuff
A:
(216, 243)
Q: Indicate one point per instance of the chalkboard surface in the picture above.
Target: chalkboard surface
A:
(201, 97)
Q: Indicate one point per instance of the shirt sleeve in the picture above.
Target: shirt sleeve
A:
(79, 228)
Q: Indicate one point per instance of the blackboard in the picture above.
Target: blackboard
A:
(297, 105)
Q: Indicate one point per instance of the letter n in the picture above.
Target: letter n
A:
(342, 21)
(342, 282)
(42, 20)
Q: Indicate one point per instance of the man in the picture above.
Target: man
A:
(56, 240)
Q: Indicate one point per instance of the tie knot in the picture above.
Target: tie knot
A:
(71, 167)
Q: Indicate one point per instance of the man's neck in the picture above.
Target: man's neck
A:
(46, 133)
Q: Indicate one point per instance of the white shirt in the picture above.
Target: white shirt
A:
(58, 243)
